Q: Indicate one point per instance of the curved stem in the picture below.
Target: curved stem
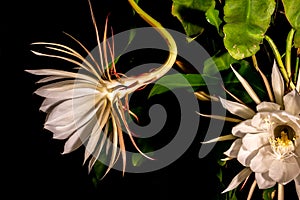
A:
(289, 44)
(279, 61)
(154, 75)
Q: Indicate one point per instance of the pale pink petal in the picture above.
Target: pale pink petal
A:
(264, 181)
(254, 141)
(292, 103)
(234, 148)
(237, 109)
(245, 156)
(277, 84)
(262, 161)
(285, 170)
(243, 128)
(240, 177)
(267, 107)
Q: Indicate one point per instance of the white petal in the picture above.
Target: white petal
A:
(264, 181)
(285, 170)
(261, 121)
(64, 119)
(61, 73)
(267, 107)
(70, 110)
(292, 103)
(277, 84)
(93, 141)
(234, 148)
(262, 161)
(79, 137)
(237, 109)
(254, 141)
(240, 177)
(66, 90)
(245, 156)
(243, 128)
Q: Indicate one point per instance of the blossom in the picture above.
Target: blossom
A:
(90, 108)
(267, 141)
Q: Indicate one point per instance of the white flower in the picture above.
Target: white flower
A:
(268, 140)
(87, 108)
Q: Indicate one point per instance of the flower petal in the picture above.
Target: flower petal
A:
(234, 148)
(285, 170)
(262, 161)
(264, 181)
(237, 109)
(267, 107)
(243, 128)
(245, 156)
(277, 84)
(79, 137)
(292, 103)
(256, 140)
(240, 177)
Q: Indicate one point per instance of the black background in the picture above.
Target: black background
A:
(33, 165)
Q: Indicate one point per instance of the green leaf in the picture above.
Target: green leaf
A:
(173, 81)
(220, 63)
(212, 16)
(190, 13)
(292, 13)
(246, 23)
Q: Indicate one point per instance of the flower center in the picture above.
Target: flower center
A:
(282, 142)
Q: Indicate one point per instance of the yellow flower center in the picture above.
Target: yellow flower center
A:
(282, 143)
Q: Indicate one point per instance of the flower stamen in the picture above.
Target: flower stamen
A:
(282, 143)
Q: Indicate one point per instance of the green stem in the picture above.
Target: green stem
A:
(289, 44)
(279, 61)
(296, 74)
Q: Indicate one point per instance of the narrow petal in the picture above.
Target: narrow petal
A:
(240, 177)
(221, 138)
(277, 84)
(264, 181)
(61, 73)
(67, 89)
(267, 107)
(237, 109)
(285, 170)
(234, 148)
(79, 137)
(247, 86)
(292, 103)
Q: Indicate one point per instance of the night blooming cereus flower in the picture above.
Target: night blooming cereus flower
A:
(267, 142)
(89, 108)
